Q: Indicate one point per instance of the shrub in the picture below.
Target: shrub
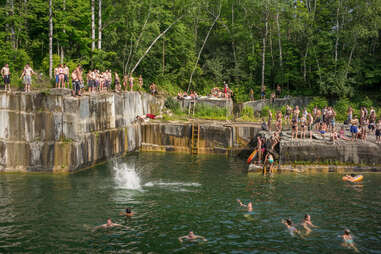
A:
(172, 104)
(317, 102)
(208, 112)
(341, 109)
(247, 112)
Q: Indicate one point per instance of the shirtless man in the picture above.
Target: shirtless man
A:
(61, 76)
(76, 76)
(66, 77)
(310, 121)
(152, 89)
(117, 82)
(259, 149)
(125, 81)
(191, 237)
(109, 224)
(354, 128)
(131, 82)
(306, 223)
(140, 82)
(378, 132)
(27, 77)
(6, 74)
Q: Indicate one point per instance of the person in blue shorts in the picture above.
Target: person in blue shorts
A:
(354, 128)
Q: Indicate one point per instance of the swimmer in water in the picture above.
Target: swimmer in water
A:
(291, 228)
(109, 224)
(249, 205)
(191, 237)
(307, 224)
(348, 240)
(127, 213)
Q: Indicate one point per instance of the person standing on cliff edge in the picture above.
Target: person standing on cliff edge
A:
(27, 76)
(6, 74)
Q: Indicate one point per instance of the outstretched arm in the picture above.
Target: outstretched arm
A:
(201, 237)
(240, 203)
(181, 238)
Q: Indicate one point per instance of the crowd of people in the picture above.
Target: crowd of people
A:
(96, 80)
(305, 124)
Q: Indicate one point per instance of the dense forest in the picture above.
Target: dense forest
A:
(312, 47)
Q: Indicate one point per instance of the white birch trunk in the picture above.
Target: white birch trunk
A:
(64, 31)
(100, 25)
(13, 36)
(92, 25)
(279, 41)
(264, 54)
(337, 30)
(153, 43)
(202, 47)
(50, 40)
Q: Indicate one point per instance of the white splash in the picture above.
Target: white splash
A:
(126, 177)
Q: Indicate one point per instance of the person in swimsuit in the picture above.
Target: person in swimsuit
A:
(348, 240)
(249, 205)
(117, 82)
(127, 212)
(263, 93)
(354, 128)
(306, 223)
(287, 116)
(291, 229)
(61, 76)
(278, 125)
(349, 114)
(323, 129)
(269, 120)
(310, 121)
(56, 75)
(140, 82)
(131, 82)
(251, 94)
(191, 237)
(372, 121)
(378, 132)
(294, 131)
(278, 91)
(109, 224)
(303, 122)
(317, 119)
(27, 77)
(66, 75)
(259, 149)
(6, 75)
(269, 160)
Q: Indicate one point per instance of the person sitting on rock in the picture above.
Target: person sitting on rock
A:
(334, 136)
(323, 129)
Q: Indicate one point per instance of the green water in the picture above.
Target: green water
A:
(179, 193)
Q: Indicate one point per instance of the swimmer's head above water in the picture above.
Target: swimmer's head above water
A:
(128, 210)
(347, 232)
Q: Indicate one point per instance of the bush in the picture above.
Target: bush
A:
(208, 112)
(247, 112)
(341, 108)
(172, 104)
(317, 102)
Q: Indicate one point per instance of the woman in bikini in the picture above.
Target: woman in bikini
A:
(348, 240)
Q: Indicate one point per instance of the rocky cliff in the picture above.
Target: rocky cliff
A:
(58, 133)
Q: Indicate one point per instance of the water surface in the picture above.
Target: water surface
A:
(174, 194)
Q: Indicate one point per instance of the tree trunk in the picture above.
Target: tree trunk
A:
(13, 36)
(202, 47)
(337, 30)
(264, 54)
(153, 43)
(92, 25)
(64, 31)
(50, 40)
(305, 65)
(100, 25)
(280, 45)
(163, 55)
(350, 59)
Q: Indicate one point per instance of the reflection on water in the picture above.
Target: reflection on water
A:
(173, 194)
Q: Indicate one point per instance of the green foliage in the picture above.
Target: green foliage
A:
(208, 112)
(173, 105)
(341, 108)
(311, 62)
(317, 102)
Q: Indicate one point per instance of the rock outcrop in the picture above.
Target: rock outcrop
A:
(55, 132)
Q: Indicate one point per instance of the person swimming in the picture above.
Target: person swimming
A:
(109, 224)
(249, 205)
(291, 229)
(348, 240)
(191, 237)
(307, 224)
(128, 212)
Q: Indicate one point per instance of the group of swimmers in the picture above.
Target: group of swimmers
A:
(307, 225)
